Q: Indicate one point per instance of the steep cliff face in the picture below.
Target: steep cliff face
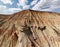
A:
(30, 29)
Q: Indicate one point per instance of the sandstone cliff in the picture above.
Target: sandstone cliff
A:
(30, 29)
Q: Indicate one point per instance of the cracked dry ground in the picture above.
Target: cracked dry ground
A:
(30, 29)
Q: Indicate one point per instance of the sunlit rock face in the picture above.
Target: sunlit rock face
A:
(30, 29)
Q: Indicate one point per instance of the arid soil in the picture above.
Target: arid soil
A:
(30, 29)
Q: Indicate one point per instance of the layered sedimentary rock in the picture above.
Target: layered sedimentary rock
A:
(30, 29)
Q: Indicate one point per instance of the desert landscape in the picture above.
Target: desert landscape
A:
(30, 28)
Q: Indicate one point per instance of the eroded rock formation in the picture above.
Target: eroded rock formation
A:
(30, 29)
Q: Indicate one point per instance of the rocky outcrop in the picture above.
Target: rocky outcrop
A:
(30, 29)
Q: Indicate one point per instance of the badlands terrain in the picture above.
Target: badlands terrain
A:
(30, 28)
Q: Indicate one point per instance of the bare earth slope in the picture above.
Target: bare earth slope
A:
(30, 29)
